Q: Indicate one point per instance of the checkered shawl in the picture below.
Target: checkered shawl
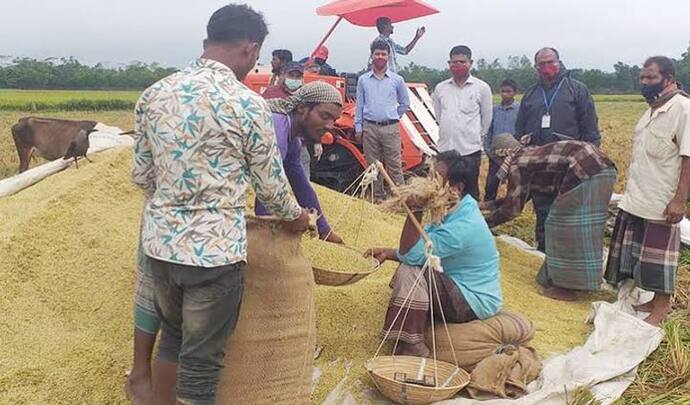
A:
(554, 169)
(314, 92)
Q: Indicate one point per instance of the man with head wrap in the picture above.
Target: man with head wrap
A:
(579, 178)
(304, 116)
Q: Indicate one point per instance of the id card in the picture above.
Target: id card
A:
(546, 121)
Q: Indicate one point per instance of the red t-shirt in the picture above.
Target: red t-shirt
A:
(275, 92)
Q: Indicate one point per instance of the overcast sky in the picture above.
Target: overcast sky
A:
(589, 33)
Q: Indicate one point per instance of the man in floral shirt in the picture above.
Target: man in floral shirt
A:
(202, 138)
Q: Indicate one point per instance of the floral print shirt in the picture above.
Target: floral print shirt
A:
(201, 138)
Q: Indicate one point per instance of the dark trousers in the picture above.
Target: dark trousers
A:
(492, 182)
(473, 184)
(542, 204)
(198, 308)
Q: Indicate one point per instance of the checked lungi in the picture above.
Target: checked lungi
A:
(575, 234)
(411, 324)
(644, 250)
(145, 317)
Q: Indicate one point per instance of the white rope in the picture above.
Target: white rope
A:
(431, 317)
(445, 324)
(343, 212)
(371, 174)
(395, 319)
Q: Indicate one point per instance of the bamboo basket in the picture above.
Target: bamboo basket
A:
(335, 278)
(449, 378)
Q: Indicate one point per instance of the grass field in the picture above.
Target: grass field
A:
(42, 100)
(95, 100)
(665, 377)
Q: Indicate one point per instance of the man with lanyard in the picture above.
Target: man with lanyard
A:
(385, 29)
(382, 99)
(304, 116)
(645, 244)
(557, 108)
(463, 108)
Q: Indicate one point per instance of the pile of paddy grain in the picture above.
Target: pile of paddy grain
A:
(68, 246)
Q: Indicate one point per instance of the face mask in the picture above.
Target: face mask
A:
(293, 84)
(379, 63)
(459, 70)
(651, 91)
(549, 72)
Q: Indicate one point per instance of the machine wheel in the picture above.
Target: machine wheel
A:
(337, 169)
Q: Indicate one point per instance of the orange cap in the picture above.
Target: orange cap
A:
(321, 53)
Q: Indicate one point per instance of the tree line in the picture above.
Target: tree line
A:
(623, 80)
(69, 73)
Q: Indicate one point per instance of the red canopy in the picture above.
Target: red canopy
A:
(365, 12)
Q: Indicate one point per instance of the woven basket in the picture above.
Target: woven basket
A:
(339, 278)
(450, 379)
(333, 278)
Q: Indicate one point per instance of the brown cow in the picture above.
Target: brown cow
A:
(51, 137)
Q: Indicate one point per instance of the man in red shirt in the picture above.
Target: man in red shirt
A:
(290, 81)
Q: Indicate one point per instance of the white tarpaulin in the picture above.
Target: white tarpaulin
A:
(105, 137)
(606, 364)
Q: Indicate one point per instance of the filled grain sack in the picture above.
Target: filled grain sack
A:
(496, 351)
(474, 341)
(270, 354)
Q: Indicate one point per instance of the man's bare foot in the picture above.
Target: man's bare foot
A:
(656, 319)
(646, 307)
(658, 314)
(418, 349)
(558, 293)
(139, 390)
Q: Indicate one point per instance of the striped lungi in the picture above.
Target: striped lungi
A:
(644, 250)
(408, 319)
(575, 234)
(145, 317)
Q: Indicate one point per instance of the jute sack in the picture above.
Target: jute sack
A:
(474, 341)
(505, 373)
(270, 354)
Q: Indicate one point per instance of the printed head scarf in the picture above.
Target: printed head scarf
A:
(314, 92)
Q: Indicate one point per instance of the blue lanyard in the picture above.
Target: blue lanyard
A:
(548, 104)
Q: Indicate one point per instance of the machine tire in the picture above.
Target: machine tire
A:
(337, 169)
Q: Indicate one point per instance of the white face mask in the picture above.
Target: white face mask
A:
(293, 84)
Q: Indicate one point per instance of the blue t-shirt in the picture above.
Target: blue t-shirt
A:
(468, 255)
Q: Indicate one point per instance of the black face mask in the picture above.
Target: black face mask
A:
(652, 91)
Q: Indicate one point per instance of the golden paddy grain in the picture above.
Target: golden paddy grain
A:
(333, 257)
(68, 247)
